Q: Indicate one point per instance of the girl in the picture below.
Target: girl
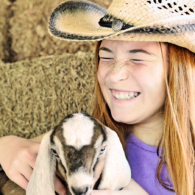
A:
(144, 90)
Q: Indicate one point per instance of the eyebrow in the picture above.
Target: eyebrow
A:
(130, 51)
(105, 49)
(140, 51)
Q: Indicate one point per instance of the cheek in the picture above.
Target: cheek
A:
(99, 169)
(156, 87)
(101, 74)
(62, 171)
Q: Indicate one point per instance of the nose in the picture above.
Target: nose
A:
(118, 73)
(79, 191)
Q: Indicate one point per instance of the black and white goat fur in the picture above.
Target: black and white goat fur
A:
(87, 154)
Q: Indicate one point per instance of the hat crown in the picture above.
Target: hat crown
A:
(138, 12)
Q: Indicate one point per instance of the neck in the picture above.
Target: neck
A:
(149, 132)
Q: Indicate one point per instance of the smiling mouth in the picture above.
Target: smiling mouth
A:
(124, 95)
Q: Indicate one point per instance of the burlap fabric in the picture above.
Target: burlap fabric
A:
(35, 95)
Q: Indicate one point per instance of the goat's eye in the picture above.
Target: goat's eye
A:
(102, 150)
(54, 152)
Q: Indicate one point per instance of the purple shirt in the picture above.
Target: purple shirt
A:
(143, 160)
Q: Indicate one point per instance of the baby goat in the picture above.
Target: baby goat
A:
(88, 155)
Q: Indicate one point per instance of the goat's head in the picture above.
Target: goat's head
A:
(88, 155)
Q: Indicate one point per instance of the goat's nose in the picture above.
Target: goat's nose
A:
(79, 191)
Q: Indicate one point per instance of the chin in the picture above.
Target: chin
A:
(123, 118)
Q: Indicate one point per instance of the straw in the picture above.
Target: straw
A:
(36, 95)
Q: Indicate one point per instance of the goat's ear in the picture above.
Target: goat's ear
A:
(42, 179)
(116, 173)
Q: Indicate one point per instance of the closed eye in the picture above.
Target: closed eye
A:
(138, 60)
(106, 58)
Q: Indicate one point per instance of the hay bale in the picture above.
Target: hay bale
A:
(4, 40)
(29, 30)
(37, 94)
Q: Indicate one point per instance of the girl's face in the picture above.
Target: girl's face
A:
(131, 78)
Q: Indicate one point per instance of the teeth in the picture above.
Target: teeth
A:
(116, 95)
(131, 94)
(125, 96)
(122, 96)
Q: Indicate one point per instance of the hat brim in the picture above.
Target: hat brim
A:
(79, 21)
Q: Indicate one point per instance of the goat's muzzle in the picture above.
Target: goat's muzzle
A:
(80, 191)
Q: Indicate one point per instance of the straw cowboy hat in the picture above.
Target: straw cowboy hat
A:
(170, 21)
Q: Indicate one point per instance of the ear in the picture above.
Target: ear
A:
(116, 173)
(42, 179)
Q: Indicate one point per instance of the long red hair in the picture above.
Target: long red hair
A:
(178, 140)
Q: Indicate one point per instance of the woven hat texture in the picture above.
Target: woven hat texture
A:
(170, 21)
(36, 95)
